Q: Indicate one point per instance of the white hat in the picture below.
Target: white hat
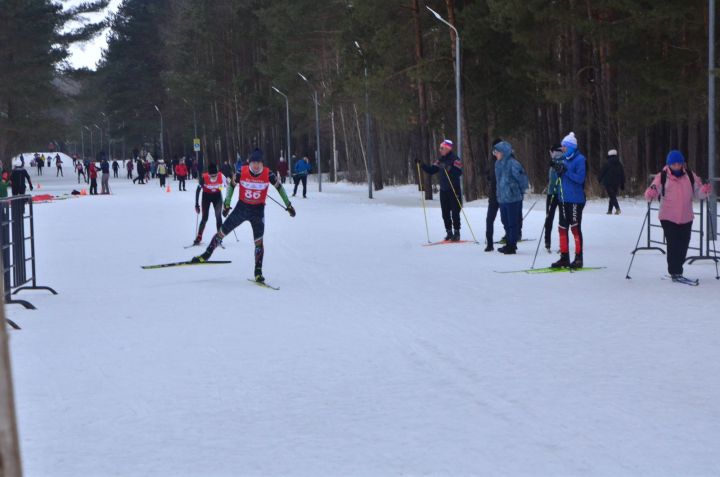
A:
(18, 163)
(569, 140)
(612, 152)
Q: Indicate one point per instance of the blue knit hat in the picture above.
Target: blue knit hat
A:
(256, 156)
(675, 157)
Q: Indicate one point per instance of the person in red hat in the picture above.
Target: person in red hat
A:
(450, 168)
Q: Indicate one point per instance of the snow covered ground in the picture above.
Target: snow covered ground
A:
(378, 356)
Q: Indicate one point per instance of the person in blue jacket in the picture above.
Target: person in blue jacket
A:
(512, 182)
(450, 168)
(301, 170)
(572, 172)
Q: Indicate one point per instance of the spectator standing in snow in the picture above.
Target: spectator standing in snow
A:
(302, 169)
(551, 201)
(512, 182)
(181, 172)
(115, 168)
(18, 177)
(450, 168)
(92, 172)
(612, 178)
(40, 164)
(282, 169)
(105, 181)
(493, 206)
(572, 172)
(161, 172)
(676, 186)
(129, 166)
(209, 183)
(58, 166)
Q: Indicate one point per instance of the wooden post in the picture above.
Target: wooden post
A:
(10, 465)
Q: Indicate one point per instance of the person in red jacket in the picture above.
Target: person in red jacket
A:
(209, 183)
(181, 173)
(92, 171)
(282, 169)
(252, 182)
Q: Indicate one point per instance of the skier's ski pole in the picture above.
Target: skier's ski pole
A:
(462, 209)
(531, 208)
(278, 203)
(236, 237)
(642, 229)
(538, 244)
(197, 218)
(422, 197)
(712, 222)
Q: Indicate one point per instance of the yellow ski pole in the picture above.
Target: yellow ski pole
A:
(422, 196)
(462, 209)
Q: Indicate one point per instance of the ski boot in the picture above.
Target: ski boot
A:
(508, 250)
(489, 247)
(448, 235)
(564, 261)
(578, 262)
(197, 240)
(455, 236)
(617, 212)
(198, 259)
(259, 276)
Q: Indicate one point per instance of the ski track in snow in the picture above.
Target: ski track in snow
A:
(378, 356)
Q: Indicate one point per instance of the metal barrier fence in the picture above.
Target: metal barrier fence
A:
(18, 249)
(703, 233)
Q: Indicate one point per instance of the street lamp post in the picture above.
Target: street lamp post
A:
(162, 146)
(82, 142)
(457, 79)
(367, 126)
(317, 133)
(92, 145)
(107, 133)
(287, 123)
(101, 135)
(194, 127)
(712, 202)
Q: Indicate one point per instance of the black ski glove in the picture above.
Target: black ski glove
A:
(197, 209)
(291, 210)
(560, 168)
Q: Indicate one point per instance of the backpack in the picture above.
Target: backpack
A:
(663, 180)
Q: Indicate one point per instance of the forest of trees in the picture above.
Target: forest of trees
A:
(622, 74)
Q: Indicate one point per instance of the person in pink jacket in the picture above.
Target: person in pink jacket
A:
(676, 193)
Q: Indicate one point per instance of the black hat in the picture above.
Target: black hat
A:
(212, 169)
(256, 155)
(556, 147)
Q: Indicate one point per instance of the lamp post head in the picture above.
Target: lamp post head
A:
(437, 15)
(275, 89)
(303, 77)
(156, 108)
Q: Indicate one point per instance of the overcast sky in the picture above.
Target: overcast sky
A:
(88, 54)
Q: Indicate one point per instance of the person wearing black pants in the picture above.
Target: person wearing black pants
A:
(612, 178)
(450, 168)
(677, 237)
(551, 202)
(493, 206)
(209, 183)
(676, 187)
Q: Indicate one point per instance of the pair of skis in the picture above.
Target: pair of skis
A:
(190, 263)
(532, 271)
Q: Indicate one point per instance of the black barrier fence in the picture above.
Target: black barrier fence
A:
(703, 232)
(18, 249)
